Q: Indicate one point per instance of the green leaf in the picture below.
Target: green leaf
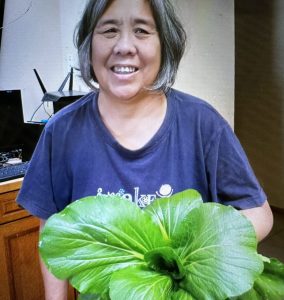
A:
(165, 261)
(93, 297)
(182, 295)
(250, 295)
(269, 285)
(216, 244)
(178, 248)
(218, 251)
(139, 283)
(169, 213)
(94, 237)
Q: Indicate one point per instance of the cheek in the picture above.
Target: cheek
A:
(154, 57)
(99, 52)
(159, 52)
(154, 50)
(95, 56)
(96, 62)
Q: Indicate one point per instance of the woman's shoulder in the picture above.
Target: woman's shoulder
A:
(198, 118)
(195, 108)
(192, 102)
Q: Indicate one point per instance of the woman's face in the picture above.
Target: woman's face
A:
(126, 50)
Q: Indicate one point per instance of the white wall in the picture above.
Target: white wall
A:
(71, 11)
(207, 69)
(30, 39)
(37, 34)
(43, 39)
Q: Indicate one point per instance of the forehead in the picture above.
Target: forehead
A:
(128, 9)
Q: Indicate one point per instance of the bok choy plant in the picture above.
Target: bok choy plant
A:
(177, 248)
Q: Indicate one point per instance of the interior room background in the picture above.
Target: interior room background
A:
(249, 94)
(39, 34)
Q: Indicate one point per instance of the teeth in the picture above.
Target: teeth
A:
(124, 70)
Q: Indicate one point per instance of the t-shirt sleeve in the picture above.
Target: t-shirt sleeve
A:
(231, 178)
(36, 193)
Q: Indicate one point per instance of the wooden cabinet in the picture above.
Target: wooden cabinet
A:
(20, 277)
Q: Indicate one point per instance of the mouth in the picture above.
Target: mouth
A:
(125, 70)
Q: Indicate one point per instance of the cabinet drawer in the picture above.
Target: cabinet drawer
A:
(9, 209)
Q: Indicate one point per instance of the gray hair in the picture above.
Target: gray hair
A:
(171, 33)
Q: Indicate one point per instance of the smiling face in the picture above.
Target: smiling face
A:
(126, 50)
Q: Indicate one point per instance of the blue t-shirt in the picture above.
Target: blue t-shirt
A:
(194, 148)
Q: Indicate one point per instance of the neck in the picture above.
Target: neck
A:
(111, 107)
(133, 122)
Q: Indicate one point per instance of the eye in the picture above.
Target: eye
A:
(141, 32)
(110, 32)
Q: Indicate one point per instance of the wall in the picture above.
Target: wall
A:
(71, 12)
(31, 39)
(260, 90)
(42, 38)
(37, 34)
(207, 69)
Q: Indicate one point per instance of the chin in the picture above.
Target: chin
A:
(127, 94)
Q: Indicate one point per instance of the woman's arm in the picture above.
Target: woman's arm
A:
(55, 289)
(261, 218)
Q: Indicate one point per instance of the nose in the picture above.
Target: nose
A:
(125, 45)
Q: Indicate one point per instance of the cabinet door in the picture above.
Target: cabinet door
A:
(20, 277)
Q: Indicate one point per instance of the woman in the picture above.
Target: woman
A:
(135, 136)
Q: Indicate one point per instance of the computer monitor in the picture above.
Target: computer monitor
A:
(17, 138)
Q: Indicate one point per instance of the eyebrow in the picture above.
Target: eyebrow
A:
(117, 22)
(104, 22)
(144, 21)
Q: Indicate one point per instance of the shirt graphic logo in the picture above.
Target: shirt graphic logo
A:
(142, 200)
(165, 191)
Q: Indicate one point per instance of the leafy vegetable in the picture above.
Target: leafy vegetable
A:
(94, 237)
(177, 248)
(269, 285)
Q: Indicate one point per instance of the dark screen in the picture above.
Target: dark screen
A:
(15, 135)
